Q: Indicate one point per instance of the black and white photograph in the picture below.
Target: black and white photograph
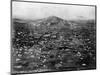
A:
(52, 37)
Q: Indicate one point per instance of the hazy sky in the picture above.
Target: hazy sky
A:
(27, 10)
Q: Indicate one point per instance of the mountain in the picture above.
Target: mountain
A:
(53, 20)
(42, 25)
(51, 23)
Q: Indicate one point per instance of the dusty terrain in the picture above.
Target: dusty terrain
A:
(53, 44)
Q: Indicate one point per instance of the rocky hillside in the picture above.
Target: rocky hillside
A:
(53, 44)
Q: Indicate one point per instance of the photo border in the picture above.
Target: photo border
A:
(47, 3)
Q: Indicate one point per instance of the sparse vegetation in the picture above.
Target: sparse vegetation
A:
(53, 46)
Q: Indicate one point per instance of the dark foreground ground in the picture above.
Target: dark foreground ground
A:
(53, 45)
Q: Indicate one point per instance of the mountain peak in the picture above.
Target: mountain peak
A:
(53, 17)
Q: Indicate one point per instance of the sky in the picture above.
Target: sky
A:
(33, 11)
